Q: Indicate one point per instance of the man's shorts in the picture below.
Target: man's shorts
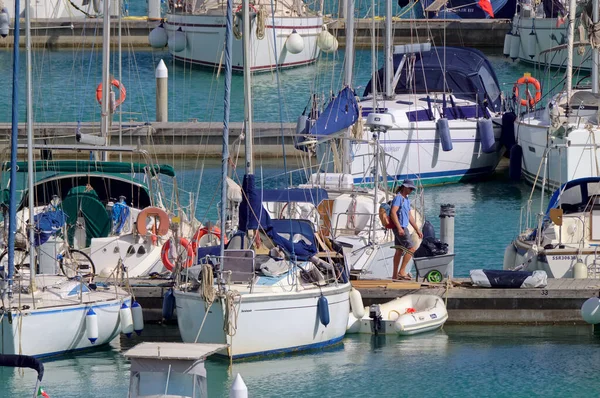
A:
(403, 240)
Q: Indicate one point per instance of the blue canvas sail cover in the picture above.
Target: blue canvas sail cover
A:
(466, 73)
(253, 216)
(340, 113)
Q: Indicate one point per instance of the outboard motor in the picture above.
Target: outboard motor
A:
(375, 315)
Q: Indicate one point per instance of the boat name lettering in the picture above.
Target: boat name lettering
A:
(246, 310)
(563, 257)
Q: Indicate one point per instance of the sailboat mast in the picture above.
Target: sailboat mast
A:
(30, 176)
(247, 90)
(227, 97)
(349, 43)
(105, 118)
(346, 161)
(570, 41)
(12, 204)
(389, 53)
(595, 52)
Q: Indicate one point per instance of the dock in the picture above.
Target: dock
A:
(87, 33)
(161, 139)
(558, 303)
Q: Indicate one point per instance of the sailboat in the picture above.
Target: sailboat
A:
(195, 33)
(538, 35)
(72, 313)
(557, 149)
(116, 214)
(445, 109)
(269, 290)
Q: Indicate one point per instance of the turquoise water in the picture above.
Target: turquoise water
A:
(459, 361)
(65, 86)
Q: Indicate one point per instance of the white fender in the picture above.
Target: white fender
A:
(356, 304)
(91, 326)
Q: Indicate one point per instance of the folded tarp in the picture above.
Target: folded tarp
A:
(508, 279)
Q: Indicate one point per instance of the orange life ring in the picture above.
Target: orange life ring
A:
(117, 84)
(239, 8)
(205, 231)
(152, 211)
(530, 101)
(164, 254)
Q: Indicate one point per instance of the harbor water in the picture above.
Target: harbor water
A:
(459, 361)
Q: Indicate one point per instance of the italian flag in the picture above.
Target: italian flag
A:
(42, 393)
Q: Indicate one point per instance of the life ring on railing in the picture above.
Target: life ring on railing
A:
(239, 8)
(117, 84)
(203, 232)
(152, 211)
(164, 254)
(530, 101)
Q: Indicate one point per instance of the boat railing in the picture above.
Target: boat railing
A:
(337, 231)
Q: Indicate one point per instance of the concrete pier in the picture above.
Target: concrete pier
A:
(187, 139)
(479, 33)
(559, 303)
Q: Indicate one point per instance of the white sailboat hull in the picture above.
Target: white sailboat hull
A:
(415, 152)
(547, 36)
(267, 324)
(205, 41)
(574, 156)
(58, 330)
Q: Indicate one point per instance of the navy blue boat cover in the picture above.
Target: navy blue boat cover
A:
(506, 279)
(253, 216)
(468, 75)
(340, 113)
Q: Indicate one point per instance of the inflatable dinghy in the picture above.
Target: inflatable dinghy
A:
(410, 314)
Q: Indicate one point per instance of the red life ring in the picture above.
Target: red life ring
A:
(117, 84)
(205, 231)
(164, 254)
(530, 101)
(239, 8)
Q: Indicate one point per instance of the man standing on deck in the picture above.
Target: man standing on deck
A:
(400, 215)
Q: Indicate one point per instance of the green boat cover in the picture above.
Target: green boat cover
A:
(84, 166)
(82, 202)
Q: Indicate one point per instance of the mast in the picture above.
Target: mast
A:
(570, 41)
(595, 52)
(346, 161)
(225, 151)
(31, 195)
(120, 6)
(248, 144)
(12, 204)
(389, 53)
(106, 111)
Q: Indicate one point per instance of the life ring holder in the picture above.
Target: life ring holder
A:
(530, 101)
(203, 231)
(152, 211)
(116, 84)
(164, 254)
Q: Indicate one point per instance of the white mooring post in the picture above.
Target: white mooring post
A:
(162, 92)
(153, 9)
(447, 213)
